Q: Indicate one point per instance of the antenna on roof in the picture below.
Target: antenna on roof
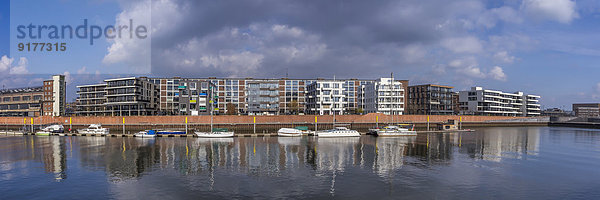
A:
(286, 72)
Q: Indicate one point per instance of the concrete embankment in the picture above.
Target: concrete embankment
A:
(259, 124)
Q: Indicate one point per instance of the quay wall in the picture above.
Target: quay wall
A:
(246, 125)
(244, 119)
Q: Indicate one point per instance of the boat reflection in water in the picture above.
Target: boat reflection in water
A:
(261, 167)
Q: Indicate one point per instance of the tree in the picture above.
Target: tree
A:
(294, 108)
(360, 111)
(231, 109)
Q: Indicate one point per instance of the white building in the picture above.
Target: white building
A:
(479, 101)
(384, 95)
(325, 97)
(55, 96)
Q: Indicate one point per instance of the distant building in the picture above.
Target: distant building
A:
(430, 99)
(131, 97)
(263, 97)
(118, 97)
(55, 96)
(194, 97)
(324, 97)
(21, 102)
(479, 101)
(586, 109)
(555, 112)
(91, 100)
(385, 95)
(455, 103)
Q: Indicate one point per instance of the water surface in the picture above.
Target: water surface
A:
(492, 163)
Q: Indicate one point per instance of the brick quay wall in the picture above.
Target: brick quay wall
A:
(245, 124)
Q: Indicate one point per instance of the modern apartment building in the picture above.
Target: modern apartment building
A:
(91, 100)
(385, 95)
(194, 97)
(118, 97)
(324, 97)
(262, 97)
(233, 93)
(430, 99)
(184, 96)
(479, 101)
(586, 109)
(21, 102)
(55, 96)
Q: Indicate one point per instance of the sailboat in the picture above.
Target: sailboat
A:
(214, 132)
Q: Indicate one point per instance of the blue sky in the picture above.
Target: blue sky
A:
(549, 48)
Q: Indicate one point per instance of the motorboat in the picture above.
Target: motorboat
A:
(94, 129)
(146, 134)
(289, 132)
(338, 132)
(400, 130)
(215, 133)
(55, 128)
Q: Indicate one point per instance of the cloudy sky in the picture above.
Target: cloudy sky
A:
(545, 47)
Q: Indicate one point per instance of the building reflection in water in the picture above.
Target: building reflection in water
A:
(131, 158)
(49, 151)
(494, 144)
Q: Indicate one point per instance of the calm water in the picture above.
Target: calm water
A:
(492, 163)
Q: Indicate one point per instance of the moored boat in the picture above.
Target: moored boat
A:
(146, 134)
(289, 132)
(338, 132)
(55, 128)
(94, 129)
(399, 130)
(215, 133)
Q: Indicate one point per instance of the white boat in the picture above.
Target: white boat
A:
(338, 132)
(94, 129)
(55, 128)
(401, 130)
(289, 132)
(214, 134)
(146, 134)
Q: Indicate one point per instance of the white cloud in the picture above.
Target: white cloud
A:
(467, 44)
(503, 56)
(82, 70)
(6, 65)
(563, 11)
(497, 73)
(133, 52)
(21, 67)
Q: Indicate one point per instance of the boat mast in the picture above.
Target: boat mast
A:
(211, 102)
(334, 102)
(392, 98)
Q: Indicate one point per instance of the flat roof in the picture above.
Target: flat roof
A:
(22, 90)
(445, 86)
(92, 85)
(117, 79)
